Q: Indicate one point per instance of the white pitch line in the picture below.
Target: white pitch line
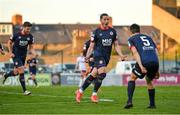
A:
(44, 95)
(42, 103)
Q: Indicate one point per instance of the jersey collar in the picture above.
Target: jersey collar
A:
(135, 34)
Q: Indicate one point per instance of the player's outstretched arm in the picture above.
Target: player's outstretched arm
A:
(118, 50)
(90, 50)
(10, 44)
(31, 49)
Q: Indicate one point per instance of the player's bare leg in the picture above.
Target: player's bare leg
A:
(98, 83)
(83, 77)
(87, 82)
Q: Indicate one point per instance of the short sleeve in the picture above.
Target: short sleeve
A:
(93, 36)
(12, 38)
(31, 41)
(130, 43)
(115, 36)
(154, 44)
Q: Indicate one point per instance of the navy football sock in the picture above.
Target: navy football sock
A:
(29, 78)
(22, 81)
(98, 82)
(8, 74)
(130, 90)
(35, 82)
(151, 96)
(87, 82)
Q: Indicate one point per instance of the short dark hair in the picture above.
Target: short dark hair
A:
(103, 14)
(27, 24)
(135, 28)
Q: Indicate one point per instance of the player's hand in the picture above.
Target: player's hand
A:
(86, 59)
(143, 69)
(157, 75)
(11, 55)
(2, 52)
(91, 59)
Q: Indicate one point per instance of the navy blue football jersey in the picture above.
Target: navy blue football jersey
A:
(32, 61)
(85, 48)
(20, 43)
(103, 39)
(145, 46)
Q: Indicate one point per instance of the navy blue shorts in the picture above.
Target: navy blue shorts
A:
(152, 69)
(91, 63)
(32, 71)
(19, 61)
(100, 62)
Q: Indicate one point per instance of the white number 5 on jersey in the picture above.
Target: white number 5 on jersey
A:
(145, 41)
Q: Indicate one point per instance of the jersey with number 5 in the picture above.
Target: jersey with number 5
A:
(145, 47)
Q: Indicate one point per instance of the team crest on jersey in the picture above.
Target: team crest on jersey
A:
(111, 33)
(19, 37)
(28, 38)
(100, 62)
(100, 34)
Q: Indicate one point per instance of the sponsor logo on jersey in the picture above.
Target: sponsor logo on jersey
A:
(148, 48)
(106, 42)
(23, 43)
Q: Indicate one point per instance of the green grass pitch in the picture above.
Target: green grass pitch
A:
(60, 100)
